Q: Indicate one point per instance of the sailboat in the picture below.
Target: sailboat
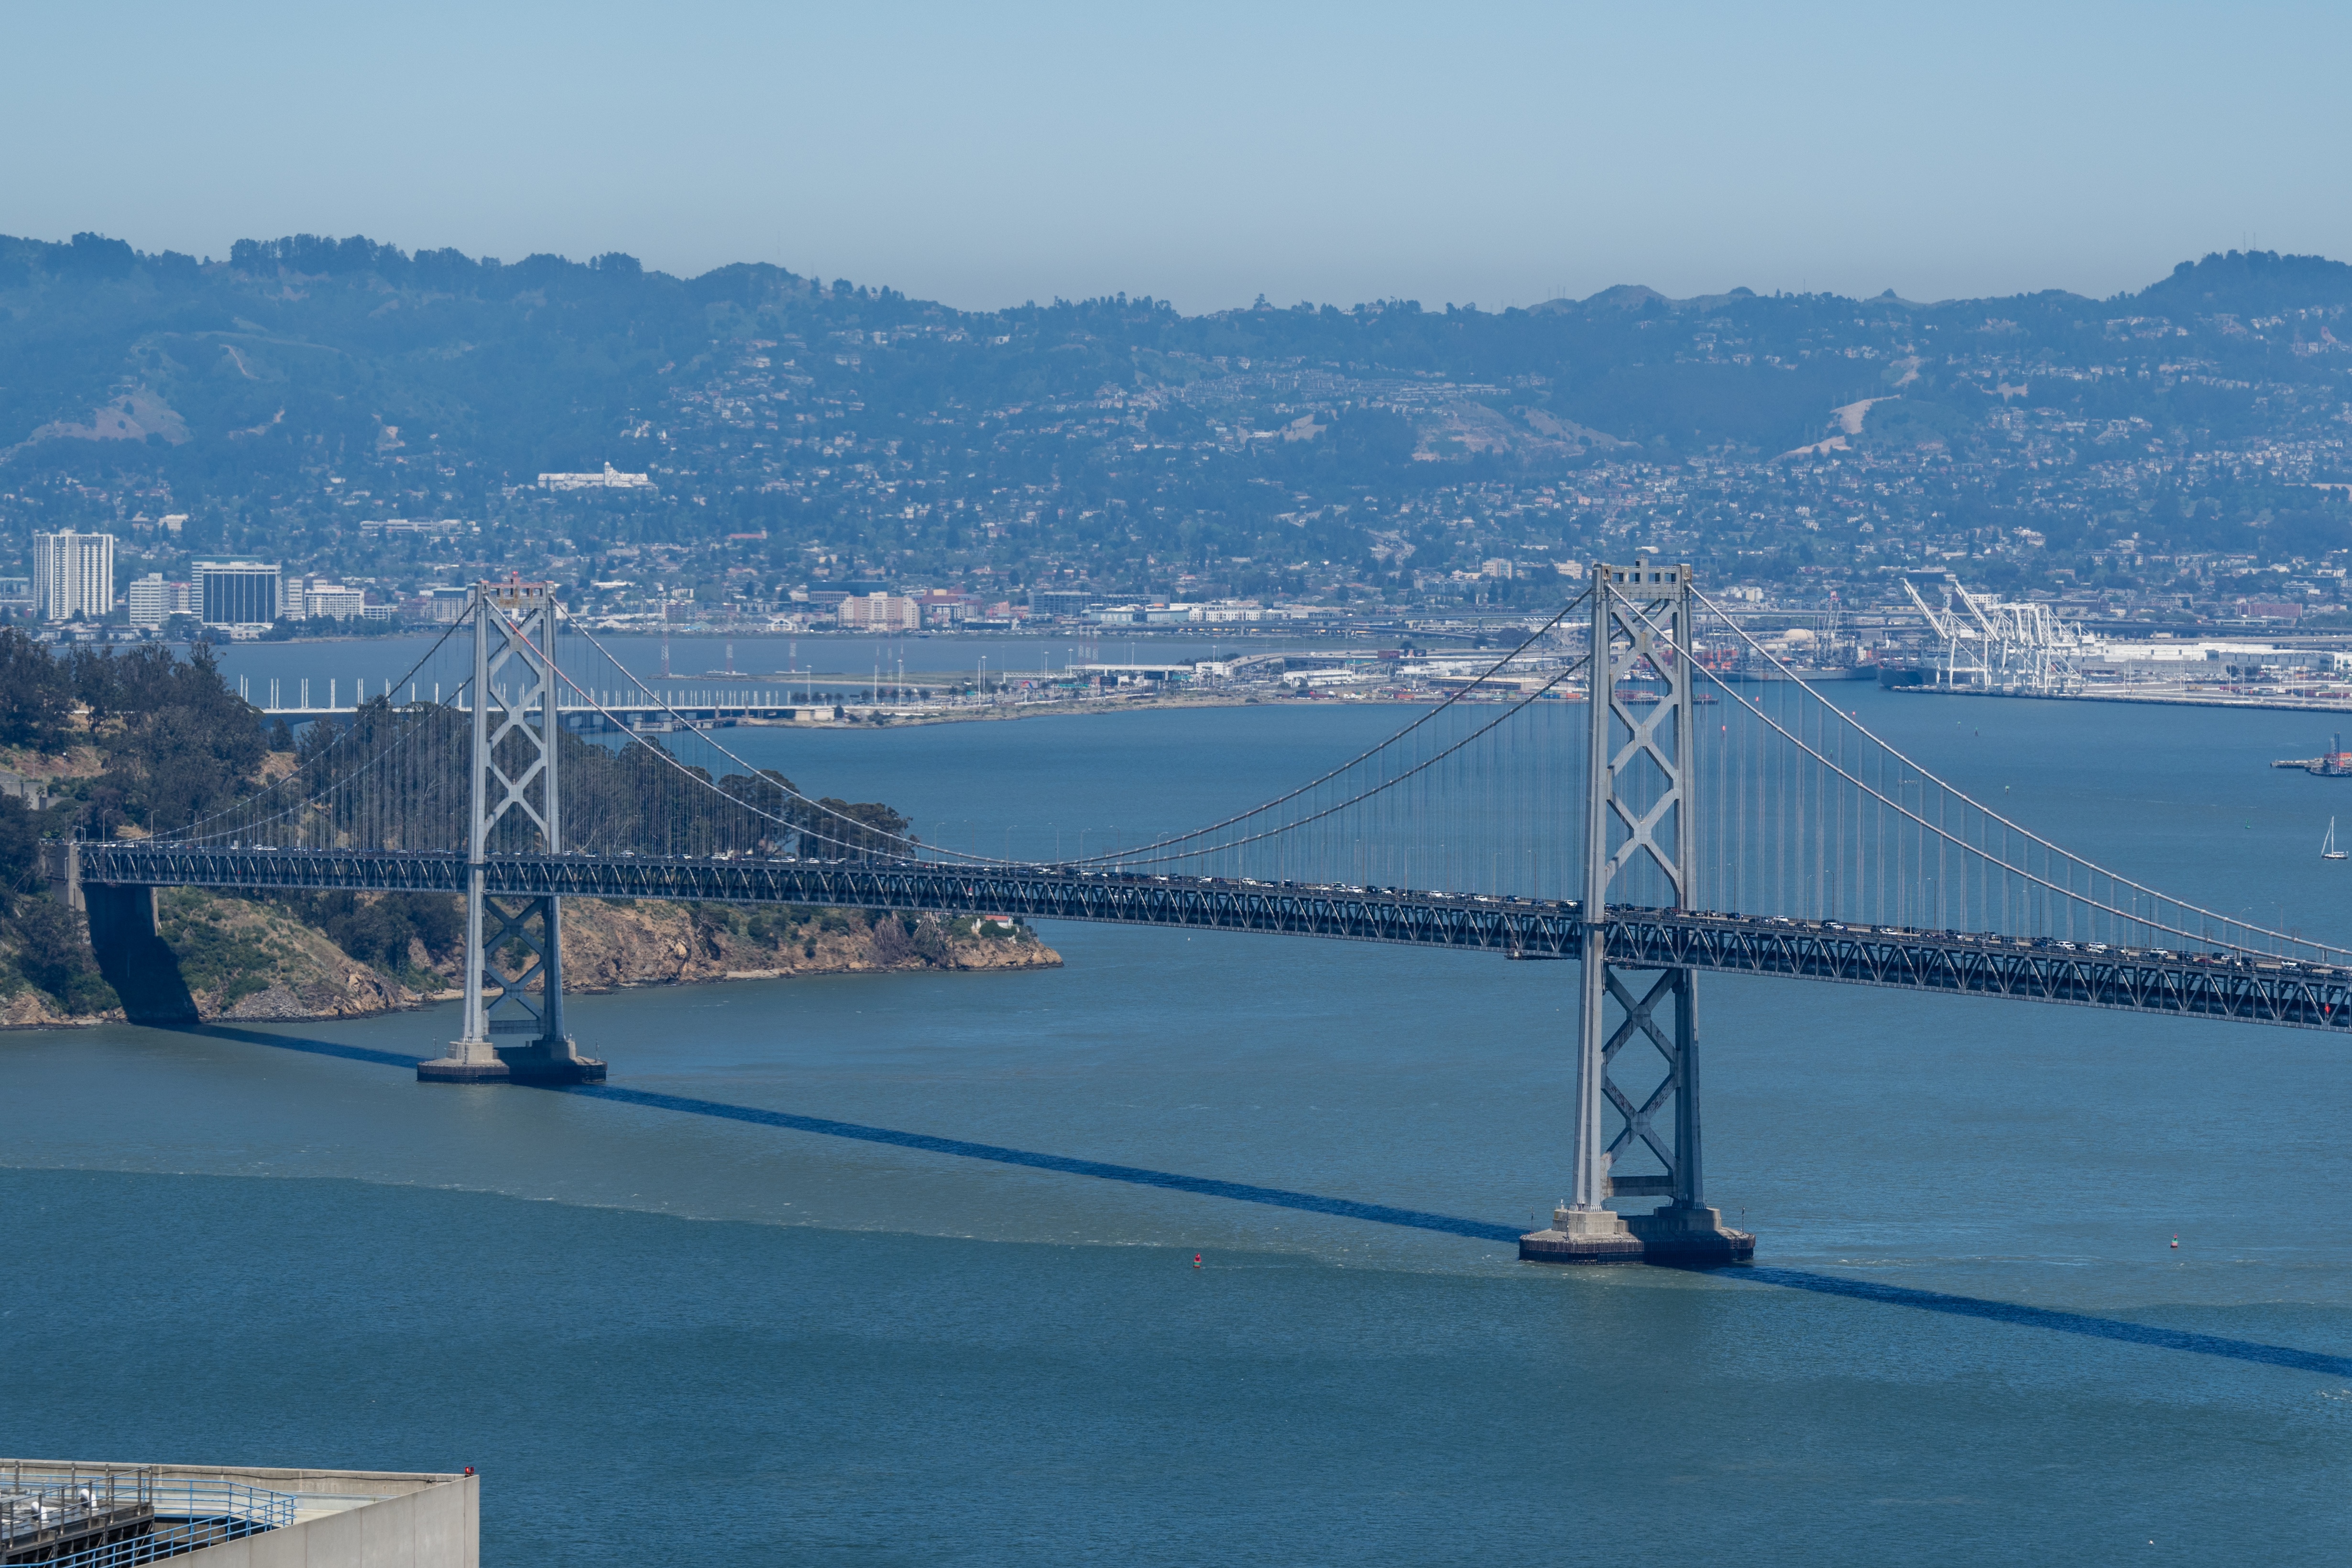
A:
(2328, 850)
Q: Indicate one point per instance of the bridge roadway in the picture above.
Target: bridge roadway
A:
(2218, 985)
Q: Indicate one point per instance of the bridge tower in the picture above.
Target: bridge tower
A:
(1639, 815)
(513, 807)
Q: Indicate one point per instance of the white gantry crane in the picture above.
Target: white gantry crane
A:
(1999, 646)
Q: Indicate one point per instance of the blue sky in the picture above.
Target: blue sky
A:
(1207, 153)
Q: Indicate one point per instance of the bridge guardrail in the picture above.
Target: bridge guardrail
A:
(2219, 984)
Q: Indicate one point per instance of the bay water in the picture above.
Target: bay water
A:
(901, 1269)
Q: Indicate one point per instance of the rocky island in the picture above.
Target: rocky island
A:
(127, 746)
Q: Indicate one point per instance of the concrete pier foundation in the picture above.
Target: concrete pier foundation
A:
(536, 1063)
(1581, 1236)
(1675, 1238)
(540, 1062)
(1690, 1237)
(459, 1068)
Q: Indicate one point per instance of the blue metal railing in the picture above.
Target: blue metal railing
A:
(143, 1517)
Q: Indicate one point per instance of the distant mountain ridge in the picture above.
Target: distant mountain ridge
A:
(527, 363)
(2234, 281)
(255, 385)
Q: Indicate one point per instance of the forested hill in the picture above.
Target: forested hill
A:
(301, 383)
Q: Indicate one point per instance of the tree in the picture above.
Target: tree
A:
(33, 694)
(839, 830)
(53, 953)
(186, 744)
(20, 837)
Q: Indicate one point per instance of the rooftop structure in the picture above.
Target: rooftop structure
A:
(62, 1511)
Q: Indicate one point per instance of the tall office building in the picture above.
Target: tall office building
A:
(149, 599)
(73, 575)
(236, 592)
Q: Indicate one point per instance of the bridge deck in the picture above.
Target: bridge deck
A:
(2191, 984)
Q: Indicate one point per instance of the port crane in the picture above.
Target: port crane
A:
(2003, 646)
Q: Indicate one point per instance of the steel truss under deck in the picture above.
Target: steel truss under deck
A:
(2248, 990)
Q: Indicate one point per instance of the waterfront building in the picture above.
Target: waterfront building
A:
(319, 599)
(941, 607)
(148, 600)
(73, 575)
(238, 593)
(1057, 602)
(880, 612)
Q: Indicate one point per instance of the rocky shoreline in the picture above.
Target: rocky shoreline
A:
(246, 959)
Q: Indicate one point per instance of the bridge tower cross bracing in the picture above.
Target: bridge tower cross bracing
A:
(1639, 815)
(512, 772)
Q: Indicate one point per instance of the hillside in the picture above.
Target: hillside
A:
(806, 434)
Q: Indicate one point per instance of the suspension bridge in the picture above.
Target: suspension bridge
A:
(1600, 795)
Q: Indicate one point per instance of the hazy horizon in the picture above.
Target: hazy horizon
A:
(2155, 274)
(1518, 155)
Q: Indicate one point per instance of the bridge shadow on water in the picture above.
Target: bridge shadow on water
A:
(292, 1043)
(2049, 1319)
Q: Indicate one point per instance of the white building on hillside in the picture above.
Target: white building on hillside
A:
(610, 478)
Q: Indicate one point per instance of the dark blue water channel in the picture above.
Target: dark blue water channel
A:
(900, 1267)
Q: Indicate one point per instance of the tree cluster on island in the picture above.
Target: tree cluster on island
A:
(145, 741)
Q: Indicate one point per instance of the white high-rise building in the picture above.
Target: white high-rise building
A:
(73, 575)
(149, 600)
